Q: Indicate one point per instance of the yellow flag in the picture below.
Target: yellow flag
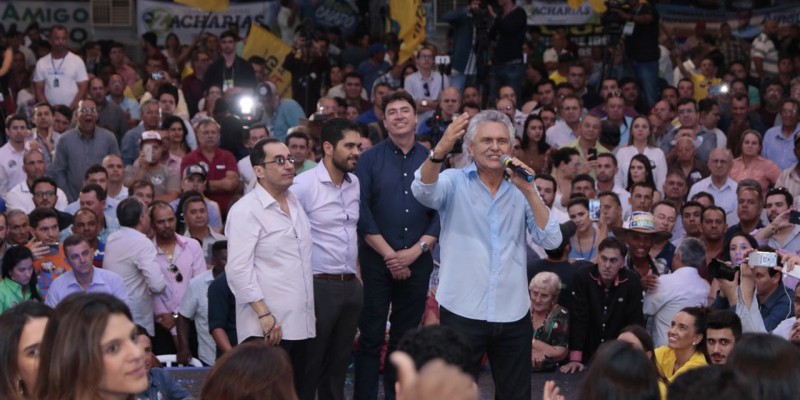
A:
(263, 43)
(206, 5)
(409, 15)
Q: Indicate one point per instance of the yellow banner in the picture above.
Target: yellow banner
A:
(206, 5)
(409, 15)
(265, 44)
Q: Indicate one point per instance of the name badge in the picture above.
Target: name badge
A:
(220, 166)
(627, 30)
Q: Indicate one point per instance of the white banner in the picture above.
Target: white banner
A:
(75, 15)
(549, 12)
(163, 18)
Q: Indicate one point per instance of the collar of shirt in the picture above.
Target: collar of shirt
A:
(97, 279)
(325, 177)
(179, 240)
(776, 297)
(595, 275)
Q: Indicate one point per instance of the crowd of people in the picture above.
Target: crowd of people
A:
(564, 209)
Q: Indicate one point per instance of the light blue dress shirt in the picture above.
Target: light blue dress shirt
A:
(103, 281)
(483, 274)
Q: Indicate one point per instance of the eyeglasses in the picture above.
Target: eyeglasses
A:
(614, 94)
(44, 194)
(281, 160)
(789, 111)
(426, 89)
(174, 269)
(87, 110)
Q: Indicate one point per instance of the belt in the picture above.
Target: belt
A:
(335, 277)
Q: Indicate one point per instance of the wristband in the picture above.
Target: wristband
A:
(265, 315)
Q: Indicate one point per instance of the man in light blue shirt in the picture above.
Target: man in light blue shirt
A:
(779, 140)
(482, 280)
(84, 277)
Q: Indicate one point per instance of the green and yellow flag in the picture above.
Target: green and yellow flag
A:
(263, 43)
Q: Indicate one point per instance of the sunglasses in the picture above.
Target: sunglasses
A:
(174, 269)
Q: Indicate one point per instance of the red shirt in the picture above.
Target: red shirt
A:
(223, 162)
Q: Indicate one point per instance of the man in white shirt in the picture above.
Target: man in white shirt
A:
(246, 172)
(719, 185)
(425, 84)
(60, 77)
(269, 259)
(11, 154)
(195, 218)
(21, 196)
(564, 131)
(330, 195)
(132, 255)
(682, 288)
(115, 170)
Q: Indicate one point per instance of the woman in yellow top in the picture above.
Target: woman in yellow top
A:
(686, 345)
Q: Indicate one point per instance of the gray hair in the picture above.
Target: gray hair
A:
(549, 280)
(488, 116)
(692, 252)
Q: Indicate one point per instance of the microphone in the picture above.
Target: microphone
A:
(521, 172)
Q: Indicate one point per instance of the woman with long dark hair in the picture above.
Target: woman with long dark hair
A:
(534, 145)
(19, 278)
(21, 331)
(620, 371)
(686, 343)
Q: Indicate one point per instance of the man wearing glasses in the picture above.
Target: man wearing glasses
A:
(79, 148)
(269, 259)
(719, 184)
(425, 84)
(21, 197)
(180, 259)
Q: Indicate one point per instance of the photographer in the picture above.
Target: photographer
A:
(640, 32)
(308, 62)
(433, 123)
(760, 279)
(509, 35)
(467, 23)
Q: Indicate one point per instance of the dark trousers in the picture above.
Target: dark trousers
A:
(298, 355)
(508, 346)
(407, 300)
(337, 305)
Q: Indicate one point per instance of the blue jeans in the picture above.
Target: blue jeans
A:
(647, 75)
(508, 345)
(407, 299)
(511, 75)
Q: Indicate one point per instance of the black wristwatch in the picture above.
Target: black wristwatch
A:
(432, 157)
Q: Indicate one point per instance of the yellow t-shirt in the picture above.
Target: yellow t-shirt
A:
(665, 360)
(702, 84)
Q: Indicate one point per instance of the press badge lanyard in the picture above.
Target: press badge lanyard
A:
(627, 30)
(227, 83)
(56, 70)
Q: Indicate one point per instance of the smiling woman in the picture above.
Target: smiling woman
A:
(686, 348)
(89, 351)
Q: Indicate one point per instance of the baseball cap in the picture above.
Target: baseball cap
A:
(150, 136)
(195, 169)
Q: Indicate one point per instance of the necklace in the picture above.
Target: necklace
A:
(577, 247)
